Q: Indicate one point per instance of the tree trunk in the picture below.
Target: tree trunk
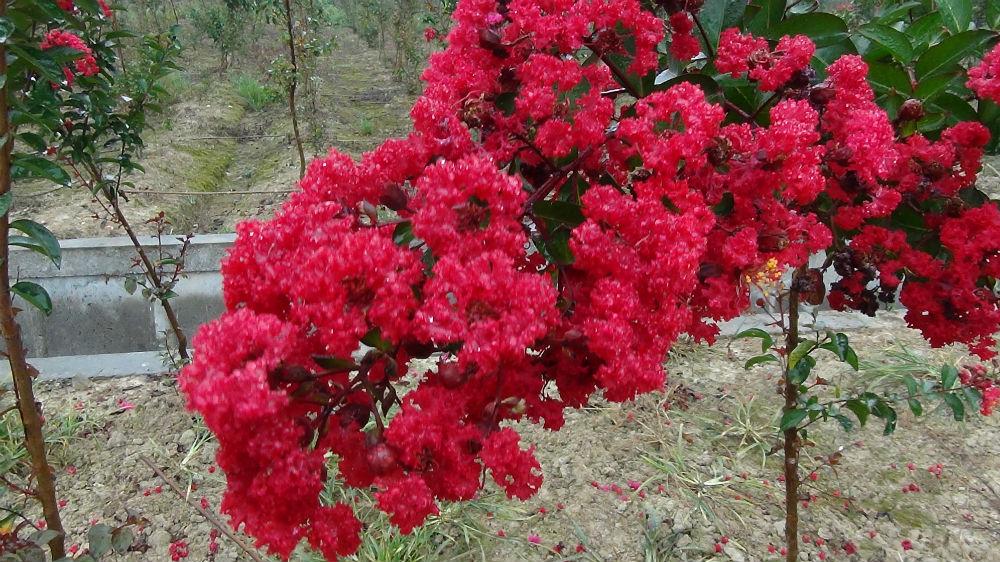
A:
(31, 420)
(291, 89)
(791, 436)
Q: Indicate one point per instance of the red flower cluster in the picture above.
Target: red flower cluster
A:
(547, 232)
(976, 377)
(85, 64)
(739, 54)
(985, 78)
(70, 6)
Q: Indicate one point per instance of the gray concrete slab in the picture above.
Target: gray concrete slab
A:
(146, 363)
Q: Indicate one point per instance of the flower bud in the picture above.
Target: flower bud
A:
(912, 110)
(450, 374)
(381, 459)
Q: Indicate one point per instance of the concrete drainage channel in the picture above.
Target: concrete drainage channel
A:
(97, 329)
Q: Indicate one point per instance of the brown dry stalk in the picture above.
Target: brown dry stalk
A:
(208, 515)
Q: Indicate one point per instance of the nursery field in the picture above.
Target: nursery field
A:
(666, 478)
(232, 133)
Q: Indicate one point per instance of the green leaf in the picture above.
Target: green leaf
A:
(42, 538)
(99, 540)
(5, 200)
(33, 140)
(39, 239)
(946, 55)
(402, 235)
(898, 13)
(560, 212)
(47, 68)
(888, 78)
(973, 397)
(769, 15)
(851, 358)
(895, 42)
(860, 410)
(845, 422)
(954, 107)
(823, 28)
(703, 81)
(837, 345)
(335, 364)
(6, 29)
(791, 419)
(799, 352)
(825, 56)
(31, 553)
(374, 339)
(131, 285)
(912, 388)
(121, 539)
(716, 15)
(766, 341)
(89, 6)
(890, 422)
(949, 375)
(926, 31)
(955, 403)
(993, 14)
(34, 294)
(798, 373)
(29, 166)
(915, 406)
(928, 88)
(758, 359)
(956, 14)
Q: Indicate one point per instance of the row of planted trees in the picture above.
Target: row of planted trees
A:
(404, 31)
(586, 181)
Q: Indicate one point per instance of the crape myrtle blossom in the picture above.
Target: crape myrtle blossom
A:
(545, 233)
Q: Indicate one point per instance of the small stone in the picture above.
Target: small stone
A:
(80, 382)
(117, 439)
(187, 438)
(160, 539)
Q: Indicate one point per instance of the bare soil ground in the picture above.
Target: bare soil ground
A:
(663, 478)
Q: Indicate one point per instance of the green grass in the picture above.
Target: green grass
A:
(457, 533)
(366, 127)
(176, 85)
(60, 432)
(255, 96)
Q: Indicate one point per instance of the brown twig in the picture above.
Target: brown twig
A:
(230, 137)
(208, 515)
(152, 192)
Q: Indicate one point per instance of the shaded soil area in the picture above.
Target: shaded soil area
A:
(660, 479)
